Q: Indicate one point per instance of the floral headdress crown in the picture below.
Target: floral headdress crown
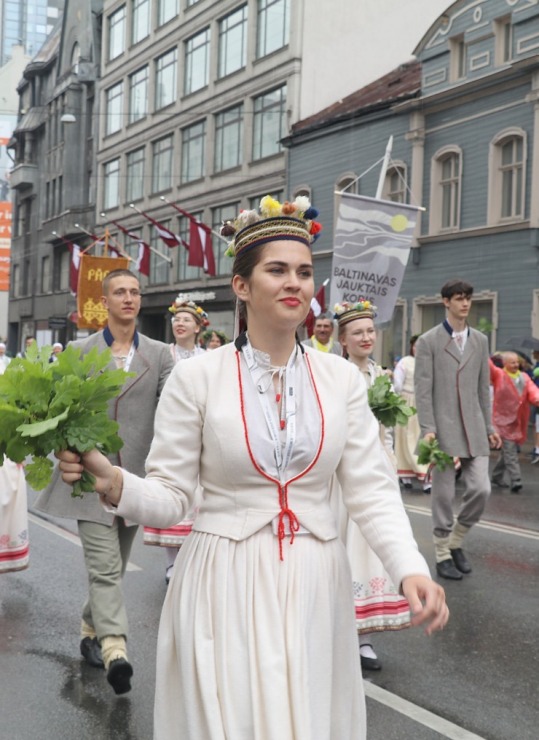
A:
(293, 221)
(191, 307)
(207, 335)
(362, 309)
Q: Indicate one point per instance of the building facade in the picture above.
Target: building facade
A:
(27, 24)
(53, 178)
(183, 100)
(466, 148)
(10, 74)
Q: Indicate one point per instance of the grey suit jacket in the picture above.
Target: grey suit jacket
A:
(134, 410)
(452, 391)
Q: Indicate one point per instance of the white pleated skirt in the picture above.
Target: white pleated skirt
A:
(254, 648)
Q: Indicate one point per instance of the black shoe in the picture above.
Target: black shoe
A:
(91, 652)
(446, 569)
(460, 560)
(119, 675)
(516, 487)
(499, 484)
(370, 664)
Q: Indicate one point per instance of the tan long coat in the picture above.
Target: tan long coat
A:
(452, 392)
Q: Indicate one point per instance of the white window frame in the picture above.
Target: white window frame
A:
(134, 173)
(159, 266)
(228, 133)
(185, 271)
(162, 160)
(189, 140)
(344, 180)
(266, 9)
(503, 40)
(494, 208)
(227, 36)
(116, 33)
(111, 184)
(114, 103)
(400, 194)
(261, 123)
(166, 79)
(458, 59)
(138, 87)
(197, 57)
(141, 11)
(166, 11)
(131, 246)
(436, 190)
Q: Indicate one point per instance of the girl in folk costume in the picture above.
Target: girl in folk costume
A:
(257, 636)
(378, 604)
(407, 436)
(213, 339)
(14, 547)
(187, 321)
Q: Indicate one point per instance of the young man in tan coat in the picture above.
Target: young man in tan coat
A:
(453, 406)
(106, 538)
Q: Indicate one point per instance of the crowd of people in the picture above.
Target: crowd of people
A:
(285, 538)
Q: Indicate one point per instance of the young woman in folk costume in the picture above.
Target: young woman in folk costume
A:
(14, 545)
(257, 637)
(379, 605)
(187, 320)
(407, 436)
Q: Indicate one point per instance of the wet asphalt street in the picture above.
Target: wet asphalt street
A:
(477, 679)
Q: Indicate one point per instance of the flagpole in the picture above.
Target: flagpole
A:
(66, 241)
(153, 249)
(385, 164)
(105, 243)
(215, 233)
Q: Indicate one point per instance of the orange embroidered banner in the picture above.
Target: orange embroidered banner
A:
(92, 314)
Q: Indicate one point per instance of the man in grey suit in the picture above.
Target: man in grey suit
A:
(452, 398)
(322, 338)
(106, 538)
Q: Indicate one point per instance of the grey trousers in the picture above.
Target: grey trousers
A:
(508, 460)
(106, 554)
(476, 492)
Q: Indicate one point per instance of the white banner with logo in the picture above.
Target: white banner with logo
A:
(371, 247)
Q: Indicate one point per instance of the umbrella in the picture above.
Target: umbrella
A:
(528, 342)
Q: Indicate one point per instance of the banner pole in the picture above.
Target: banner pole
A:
(383, 172)
(152, 249)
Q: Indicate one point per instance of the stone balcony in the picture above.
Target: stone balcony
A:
(24, 176)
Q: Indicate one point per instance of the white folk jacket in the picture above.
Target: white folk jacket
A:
(199, 431)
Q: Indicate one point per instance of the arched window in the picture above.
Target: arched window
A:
(348, 182)
(507, 167)
(446, 174)
(511, 171)
(304, 190)
(395, 183)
